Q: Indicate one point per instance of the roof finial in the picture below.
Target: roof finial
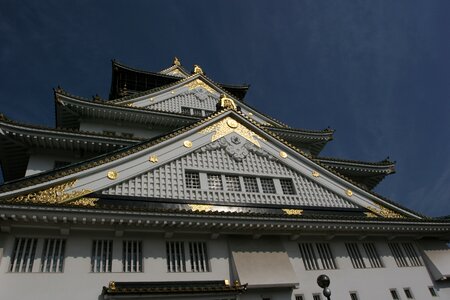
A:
(198, 70)
(176, 61)
(226, 102)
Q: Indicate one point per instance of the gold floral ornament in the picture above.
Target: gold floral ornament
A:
(187, 144)
(176, 61)
(199, 83)
(384, 212)
(295, 212)
(226, 102)
(200, 207)
(349, 193)
(112, 286)
(315, 174)
(112, 175)
(283, 154)
(229, 125)
(85, 201)
(53, 195)
(198, 70)
(153, 159)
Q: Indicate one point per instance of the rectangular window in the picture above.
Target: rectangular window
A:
(317, 297)
(189, 256)
(53, 255)
(101, 259)
(408, 293)
(186, 110)
(267, 185)
(198, 256)
(132, 256)
(432, 291)
(317, 256)
(287, 186)
(215, 182)
(353, 296)
(251, 185)
(23, 255)
(355, 255)
(192, 180)
(405, 254)
(394, 294)
(233, 183)
(372, 254)
(299, 297)
(197, 112)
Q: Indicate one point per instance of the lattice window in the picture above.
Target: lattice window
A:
(186, 110)
(267, 185)
(394, 294)
(197, 112)
(408, 293)
(353, 296)
(432, 291)
(251, 185)
(355, 255)
(132, 256)
(287, 186)
(215, 182)
(183, 256)
(405, 255)
(101, 259)
(23, 255)
(373, 256)
(233, 183)
(192, 180)
(199, 257)
(53, 255)
(317, 256)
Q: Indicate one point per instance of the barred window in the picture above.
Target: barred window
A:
(197, 112)
(233, 183)
(267, 186)
(101, 259)
(432, 291)
(394, 294)
(353, 296)
(215, 182)
(355, 255)
(23, 255)
(317, 256)
(299, 297)
(132, 256)
(287, 186)
(192, 180)
(408, 293)
(372, 254)
(53, 255)
(251, 184)
(317, 297)
(185, 110)
(405, 255)
(191, 257)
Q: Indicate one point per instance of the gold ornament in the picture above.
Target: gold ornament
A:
(153, 159)
(226, 102)
(283, 154)
(349, 193)
(176, 61)
(85, 202)
(297, 212)
(200, 207)
(384, 212)
(223, 128)
(199, 83)
(315, 174)
(198, 70)
(187, 144)
(112, 174)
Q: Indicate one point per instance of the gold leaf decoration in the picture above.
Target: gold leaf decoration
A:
(289, 211)
(153, 159)
(53, 195)
(200, 207)
(384, 212)
(223, 128)
(199, 83)
(283, 154)
(315, 174)
(187, 144)
(112, 174)
(349, 193)
(85, 201)
(370, 215)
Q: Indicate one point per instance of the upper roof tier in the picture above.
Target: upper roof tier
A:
(127, 80)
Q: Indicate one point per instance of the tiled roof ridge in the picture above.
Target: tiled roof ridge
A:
(327, 131)
(384, 162)
(123, 66)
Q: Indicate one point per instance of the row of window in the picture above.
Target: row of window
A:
(195, 111)
(235, 183)
(394, 294)
(192, 256)
(126, 135)
(318, 256)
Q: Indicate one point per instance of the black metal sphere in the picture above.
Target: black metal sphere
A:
(327, 292)
(323, 281)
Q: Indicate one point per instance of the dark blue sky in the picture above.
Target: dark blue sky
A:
(376, 71)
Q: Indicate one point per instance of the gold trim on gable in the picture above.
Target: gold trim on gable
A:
(200, 207)
(295, 212)
(384, 212)
(229, 125)
(199, 83)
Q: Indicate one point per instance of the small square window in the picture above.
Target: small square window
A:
(251, 185)
(215, 182)
(192, 180)
(317, 297)
(394, 294)
(353, 296)
(287, 186)
(408, 293)
(299, 297)
(268, 186)
(233, 183)
(432, 291)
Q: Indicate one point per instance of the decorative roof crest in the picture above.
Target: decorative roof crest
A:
(198, 70)
(226, 102)
(176, 61)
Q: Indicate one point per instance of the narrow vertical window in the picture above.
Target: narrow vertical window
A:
(267, 185)
(355, 255)
(199, 257)
(353, 296)
(192, 180)
(319, 257)
(372, 254)
(317, 297)
(132, 256)
(432, 291)
(101, 257)
(23, 255)
(398, 255)
(176, 260)
(394, 294)
(299, 297)
(408, 293)
(53, 255)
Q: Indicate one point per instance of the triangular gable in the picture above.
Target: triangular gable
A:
(128, 164)
(175, 70)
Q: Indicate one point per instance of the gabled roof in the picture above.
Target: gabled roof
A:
(127, 80)
(81, 179)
